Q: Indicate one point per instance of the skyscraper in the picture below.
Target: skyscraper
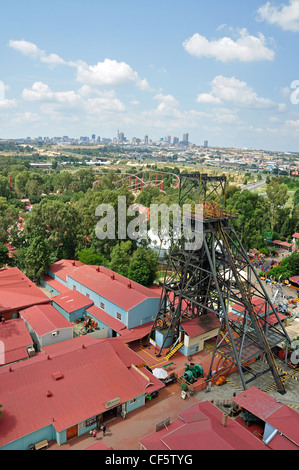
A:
(185, 139)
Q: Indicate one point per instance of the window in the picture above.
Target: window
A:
(90, 422)
(74, 288)
(102, 306)
(118, 316)
(134, 400)
(87, 295)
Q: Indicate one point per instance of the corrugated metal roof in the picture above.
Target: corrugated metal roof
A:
(92, 376)
(108, 284)
(17, 291)
(72, 300)
(44, 319)
(200, 428)
(105, 318)
(16, 338)
(199, 325)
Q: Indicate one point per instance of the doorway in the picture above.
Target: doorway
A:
(72, 432)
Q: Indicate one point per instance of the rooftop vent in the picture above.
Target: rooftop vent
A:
(57, 375)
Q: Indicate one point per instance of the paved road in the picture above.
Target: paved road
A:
(253, 186)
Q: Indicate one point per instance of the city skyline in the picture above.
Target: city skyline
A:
(223, 72)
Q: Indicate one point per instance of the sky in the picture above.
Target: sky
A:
(222, 71)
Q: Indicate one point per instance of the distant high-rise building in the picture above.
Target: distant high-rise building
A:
(146, 139)
(93, 137)
(176, 140)
(206, 144)
(185, 140)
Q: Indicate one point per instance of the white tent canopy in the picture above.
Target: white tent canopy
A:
(160, 373)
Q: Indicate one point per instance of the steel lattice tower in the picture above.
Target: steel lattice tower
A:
(210, 279)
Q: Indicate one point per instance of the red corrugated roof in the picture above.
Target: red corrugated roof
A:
(71, 301)
(17, 291)
(200, 428)
(114, 287)
(16, 338)
(295, 235)
(44, 319)
(278, 415)
(278, 242)
(56, 284)
(63, 267)
(105, 318)
(199, 325)
(92, 376)
(108, 284)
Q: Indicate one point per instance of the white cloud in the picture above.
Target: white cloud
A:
(208, 98)
(232, 90)
(167, 103)
(286, 15)
(86, 100)
(39, 92)
(31, 50)
(104, 102)
(109, 73)
(26, 117)
(246, 48)
(7, 104)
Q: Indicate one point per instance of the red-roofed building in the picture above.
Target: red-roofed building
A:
(196, 331)
(63, 394)
(124, 300)
(46, 325)
(202, 427)
(262, 310)
(71, 304)
(280, 422)
(295, 237)
(18, 292)
(15, 341)
(284, 245)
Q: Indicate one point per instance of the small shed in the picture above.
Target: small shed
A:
(46, 325)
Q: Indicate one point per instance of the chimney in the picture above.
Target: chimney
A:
(224, 419)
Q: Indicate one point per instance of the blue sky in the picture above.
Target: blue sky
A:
(222, 71)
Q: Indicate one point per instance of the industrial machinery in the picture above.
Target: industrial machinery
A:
(210, 278)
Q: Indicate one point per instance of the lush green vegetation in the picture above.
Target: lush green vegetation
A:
(62, 221)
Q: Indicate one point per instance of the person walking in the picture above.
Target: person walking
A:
(104, 429)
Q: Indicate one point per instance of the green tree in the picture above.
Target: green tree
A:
(120, 258)
(59, 223)
(90, 256)
(37, 258)
(9, 216)
(143, 266)
(4, 258)
(252, 220)
(277, 195)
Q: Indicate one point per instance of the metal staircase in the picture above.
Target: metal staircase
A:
(174, 350)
